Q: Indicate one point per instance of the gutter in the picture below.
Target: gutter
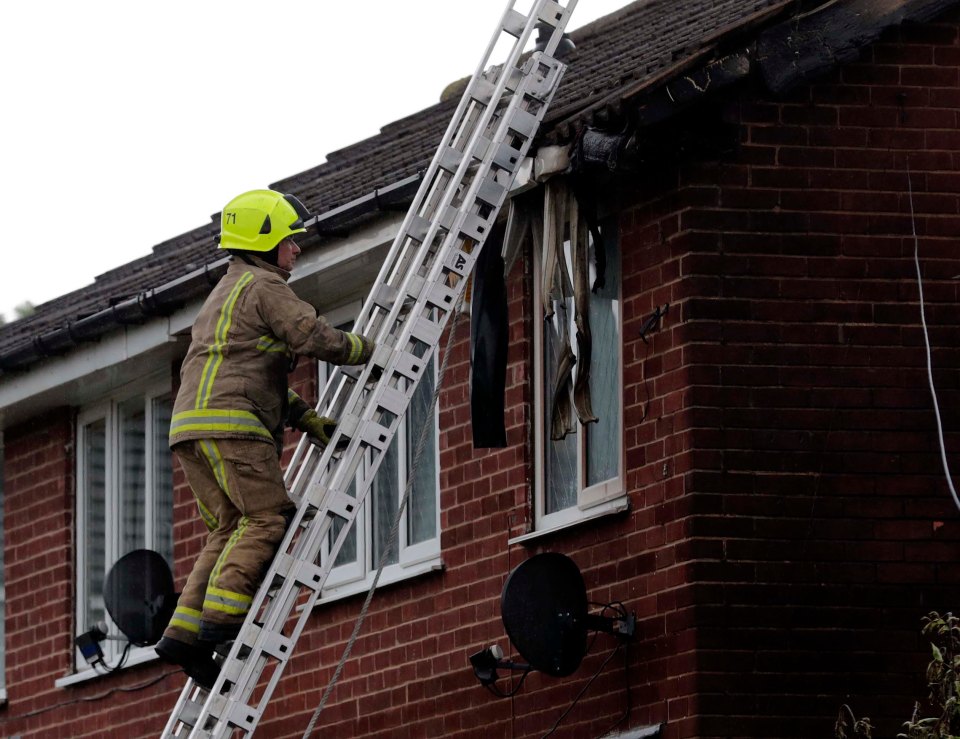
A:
(170, 296)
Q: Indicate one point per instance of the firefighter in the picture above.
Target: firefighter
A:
(229, 416)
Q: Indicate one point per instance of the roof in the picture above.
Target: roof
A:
(643, 45)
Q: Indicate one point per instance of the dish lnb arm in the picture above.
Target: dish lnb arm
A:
(624, 626)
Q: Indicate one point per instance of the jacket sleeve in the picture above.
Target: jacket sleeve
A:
(296, 322)
(297, 407)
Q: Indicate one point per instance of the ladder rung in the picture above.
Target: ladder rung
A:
(475, 227)
(524, 123)
(391, 400)
(482, 147)
(418, 228)
(305, 573)
(384, 296)
(242, 716)
(552, 13)
(458, 262)
(375, 435)
(426, 331)
(514, 22)
(482, 91)
(409, 366)
(450, 159)
(507, 158)
(190, 713)
(340, 504)
(277, 645)
(441, 296)
(491, 192)
(514, 78)
(232, 668)
(447, 218)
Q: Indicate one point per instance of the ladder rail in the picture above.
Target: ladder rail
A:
(392, 262)
(422, 267)
(320, 534)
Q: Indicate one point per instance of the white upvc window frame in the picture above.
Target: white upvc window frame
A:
(607, 496)
(356, 576)
(108, 410)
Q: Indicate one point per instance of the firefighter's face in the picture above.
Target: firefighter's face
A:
(287, 256)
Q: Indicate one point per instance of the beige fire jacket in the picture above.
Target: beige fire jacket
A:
(244, 340)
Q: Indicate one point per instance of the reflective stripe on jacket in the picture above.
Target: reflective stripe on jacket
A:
(234, 377)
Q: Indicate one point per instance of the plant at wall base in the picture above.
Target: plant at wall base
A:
(943, 681)
(849, 726)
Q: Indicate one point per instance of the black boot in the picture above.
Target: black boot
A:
(195, 659)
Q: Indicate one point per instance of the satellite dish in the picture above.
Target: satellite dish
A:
(544, 611)
(139, 596)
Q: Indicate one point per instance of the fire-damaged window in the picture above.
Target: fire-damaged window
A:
(417, 546)
(578, 365)
(124, 492)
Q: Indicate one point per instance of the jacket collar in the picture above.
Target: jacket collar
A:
(252, 259)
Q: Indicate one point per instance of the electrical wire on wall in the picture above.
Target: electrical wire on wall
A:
(621, 610)
(391, 540)
(926, 340)
(92, 698)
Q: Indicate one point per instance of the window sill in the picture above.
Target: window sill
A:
(340, 592)
(139, 657)
(389, 576)
(610, 508)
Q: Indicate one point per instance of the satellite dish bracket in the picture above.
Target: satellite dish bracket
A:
(621, 627)
(486, 662)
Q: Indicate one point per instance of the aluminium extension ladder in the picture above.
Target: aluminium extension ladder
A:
(416, 291)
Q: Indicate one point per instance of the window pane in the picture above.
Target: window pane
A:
(422, 506)
(348, 552)
(385, 502)
(603, 437)
(133, 476)
(162, 480)
(561, 456)
(94, 498)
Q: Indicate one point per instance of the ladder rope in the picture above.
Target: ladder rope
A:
(391, 541)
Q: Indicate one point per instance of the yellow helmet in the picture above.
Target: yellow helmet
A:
(260, 219)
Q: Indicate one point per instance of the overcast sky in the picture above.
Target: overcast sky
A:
(125, 124)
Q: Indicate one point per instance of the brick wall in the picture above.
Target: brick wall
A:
(825, 527)
(789, 520)
(39, 569)
(38, 482)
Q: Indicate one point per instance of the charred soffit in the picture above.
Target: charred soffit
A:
(620, 133)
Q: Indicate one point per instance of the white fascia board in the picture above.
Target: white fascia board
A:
(381, 232)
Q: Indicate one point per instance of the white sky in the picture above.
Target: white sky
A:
(125, 124)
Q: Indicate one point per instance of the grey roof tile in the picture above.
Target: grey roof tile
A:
(634, 44)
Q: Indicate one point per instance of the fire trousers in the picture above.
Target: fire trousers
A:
(242, 500)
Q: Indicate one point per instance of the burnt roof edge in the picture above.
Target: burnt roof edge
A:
(786, 54)
(810, 44)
